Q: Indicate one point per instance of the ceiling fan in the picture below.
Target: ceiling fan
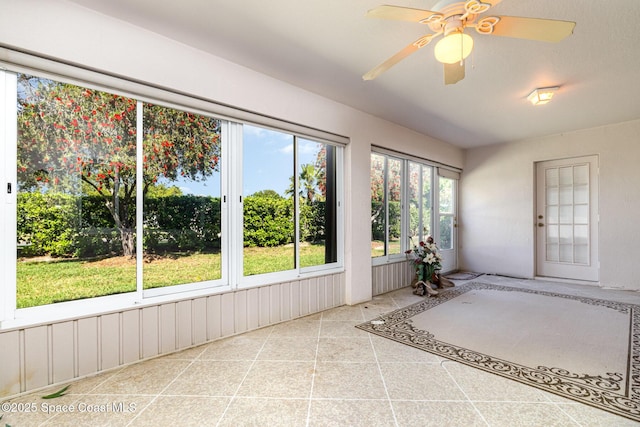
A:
(450, 18)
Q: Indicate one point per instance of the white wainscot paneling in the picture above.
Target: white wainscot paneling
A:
(130, 333)
(62, 351)
(168, 328)
(199, 321)
(392, 276)
(110, 342)
(10, 373)
(150, 334)
(36, 358)
(40, 356)
(184, 324)
(253, 308)
(88, 343)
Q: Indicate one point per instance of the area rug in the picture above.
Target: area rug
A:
(463, 275)
(580, 348)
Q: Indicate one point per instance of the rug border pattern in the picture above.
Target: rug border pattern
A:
(610, 392)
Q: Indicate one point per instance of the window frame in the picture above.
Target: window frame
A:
(231, 140)
(404, 212)
(241, 281)
(436, 169)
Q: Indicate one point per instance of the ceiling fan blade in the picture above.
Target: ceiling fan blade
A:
(477, 7)
(453, 73)
(401, 13)
(491, 2)
(547, 30)
(408, 50)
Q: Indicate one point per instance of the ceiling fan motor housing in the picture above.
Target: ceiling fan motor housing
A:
(455, 15)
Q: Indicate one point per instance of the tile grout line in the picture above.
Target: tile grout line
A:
(559, 407)
(88, 393)
(157, 395)
(442, 364)
(384, 383)
(545, 395)
(315, 365)
(235, 394)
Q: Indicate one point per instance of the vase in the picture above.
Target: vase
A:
(426, 272)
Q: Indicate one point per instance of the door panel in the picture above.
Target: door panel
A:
(446, 225)
(567, 218)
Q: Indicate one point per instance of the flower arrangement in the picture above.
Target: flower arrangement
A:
(426, 258)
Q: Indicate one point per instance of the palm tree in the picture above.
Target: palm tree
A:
(308, 183)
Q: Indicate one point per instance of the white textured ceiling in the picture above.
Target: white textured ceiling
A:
(325, 46)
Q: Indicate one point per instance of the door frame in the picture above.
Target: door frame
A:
(450, 256)
(589, 274)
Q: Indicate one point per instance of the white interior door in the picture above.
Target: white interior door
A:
(567, 218)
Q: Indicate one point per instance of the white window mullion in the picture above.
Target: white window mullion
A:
(139, 199)
(340, 238)
(225, 179)
(421, 227)
(405, 210)
(386, 207)
(8, 189)
(296, 205)
(235, 206)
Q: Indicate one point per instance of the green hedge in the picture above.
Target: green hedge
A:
(46, 224)
(69, 226)
(182, 223)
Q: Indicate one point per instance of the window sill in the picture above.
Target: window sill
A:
(100, 306)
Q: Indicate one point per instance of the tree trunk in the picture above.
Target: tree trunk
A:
(128, 242)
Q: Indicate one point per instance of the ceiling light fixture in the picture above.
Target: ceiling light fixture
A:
(542, 95)
(454, 47)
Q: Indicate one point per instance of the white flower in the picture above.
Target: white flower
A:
(430, 259)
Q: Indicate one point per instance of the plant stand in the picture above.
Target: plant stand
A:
(423, 288)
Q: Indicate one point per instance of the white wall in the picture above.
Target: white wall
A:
(497, 202)
(65, 32)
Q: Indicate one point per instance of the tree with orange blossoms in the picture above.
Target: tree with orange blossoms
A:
(71, 139)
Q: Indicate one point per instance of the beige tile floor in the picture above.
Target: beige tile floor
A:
(314, 371)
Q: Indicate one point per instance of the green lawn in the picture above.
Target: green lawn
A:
(46, 282)
(377, 247)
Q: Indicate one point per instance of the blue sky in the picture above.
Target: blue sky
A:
(268, 163)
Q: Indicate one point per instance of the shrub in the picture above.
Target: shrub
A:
(268, 221)
(182, 223)
(82, 226)
(46, 224)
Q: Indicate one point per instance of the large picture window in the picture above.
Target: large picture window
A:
(410, 201)
(386, 205)
(114, 195)
(76, 192)
(268, 205)
(182, 197)
(290, 202)
(420, 203)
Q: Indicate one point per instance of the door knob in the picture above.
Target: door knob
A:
(540, 224)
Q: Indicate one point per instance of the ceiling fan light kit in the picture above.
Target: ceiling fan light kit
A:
(542, 95)
(450, 18)
(453, 48)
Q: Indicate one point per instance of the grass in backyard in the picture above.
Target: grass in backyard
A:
(50, 281)
(377, 247)
(280, 258)
(179, 269)
(46, 282)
